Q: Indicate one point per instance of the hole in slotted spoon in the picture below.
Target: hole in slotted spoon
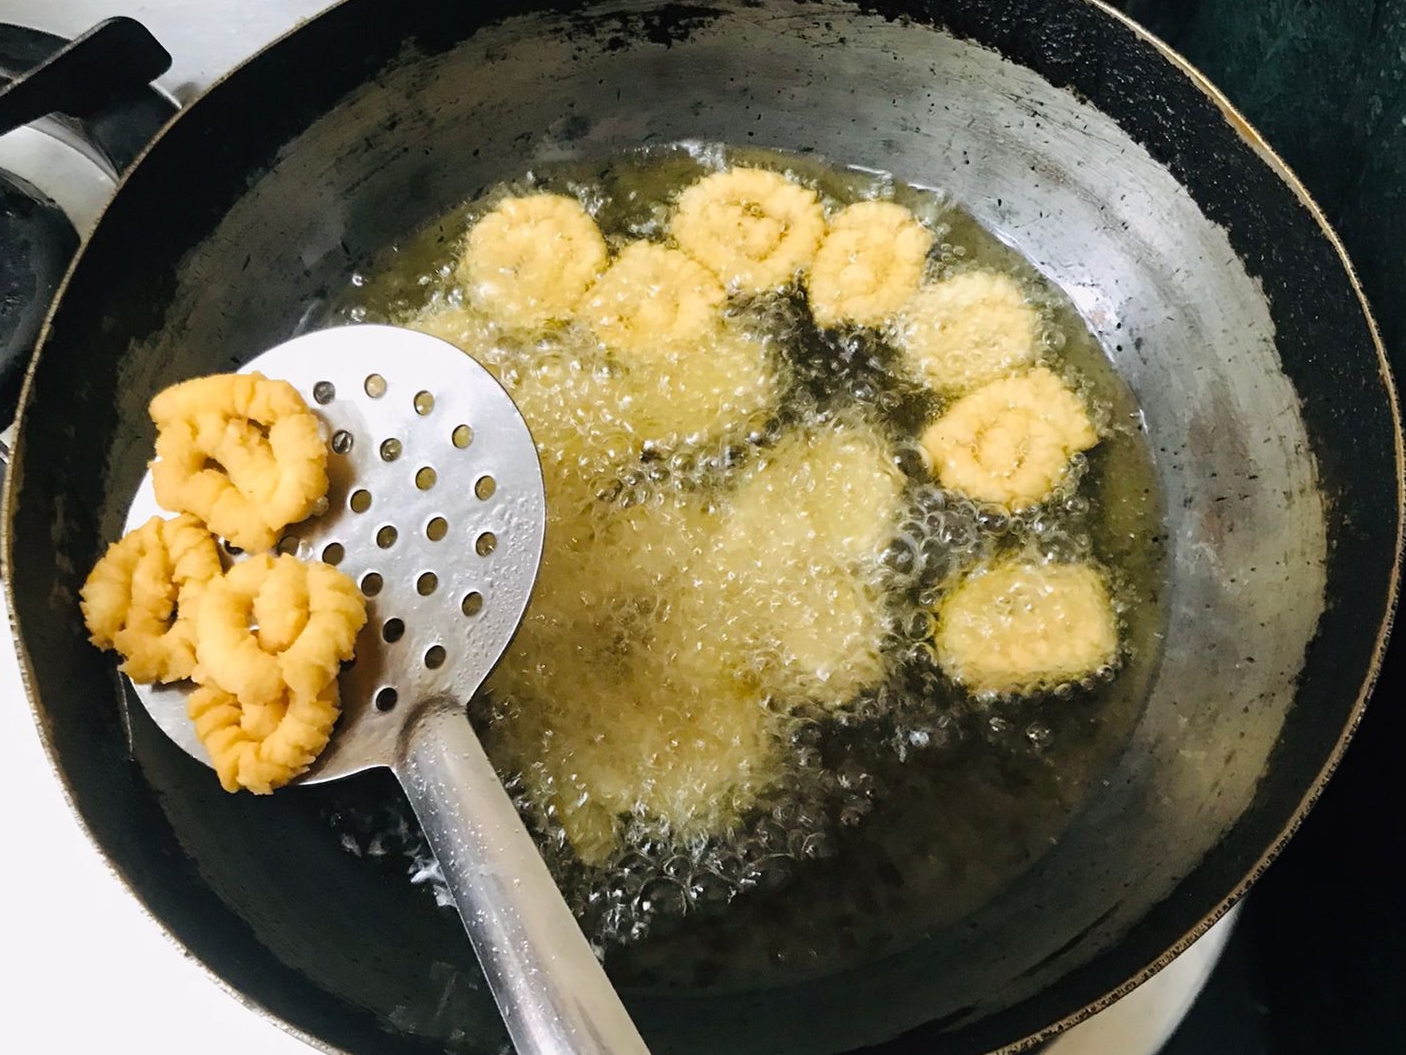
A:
(424, 403)
(472, 604)
(324, 392)
(436, 529)
(426, 478)
(287, 545)
(462, 436)
(386, 699)
(360, 501)
(385, 538)
(434, 657)
(485, 544)
(375, 386)
(371, 584)
(342, 441)
(390, 449)
(333, 553)
(485, 487)
(392, 630)
(426, 584)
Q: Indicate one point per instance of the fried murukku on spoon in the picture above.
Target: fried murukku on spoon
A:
(436, 509)
(241, 452)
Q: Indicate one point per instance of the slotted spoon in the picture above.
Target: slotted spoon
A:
(435, 507)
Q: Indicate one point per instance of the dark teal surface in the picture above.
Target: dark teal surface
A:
(1325, 82)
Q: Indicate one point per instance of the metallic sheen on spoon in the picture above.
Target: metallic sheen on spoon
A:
(436, 508)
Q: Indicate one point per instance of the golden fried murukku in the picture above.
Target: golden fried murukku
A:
(756, 230)
(314, 613)
(241, 452)
(140, 598)
(294, 745)
(216, 716)
(1010, 441)
(654, 298)
(529, 262)
(1018, 625)
(262, 757)
(870, 262)
(968, 330)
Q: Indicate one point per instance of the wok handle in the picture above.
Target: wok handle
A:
(116, 56)
(552, 991)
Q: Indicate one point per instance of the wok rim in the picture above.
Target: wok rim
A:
(1245, 132)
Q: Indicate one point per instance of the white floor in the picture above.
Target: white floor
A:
(85, 969)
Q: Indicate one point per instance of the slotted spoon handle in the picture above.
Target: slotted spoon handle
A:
(552, 991)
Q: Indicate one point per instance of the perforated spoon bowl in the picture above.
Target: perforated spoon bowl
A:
(436, 509)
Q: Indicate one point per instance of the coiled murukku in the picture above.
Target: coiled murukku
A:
(263, 758)
(653, 297)
(869, 264)
(241, 452)
(968, 330)
(530, 261)
(307, 616)
(141, 597)
(756, 230)
(1010, 442)
(1018, 625)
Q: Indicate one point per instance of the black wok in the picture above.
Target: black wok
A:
(1217, 290)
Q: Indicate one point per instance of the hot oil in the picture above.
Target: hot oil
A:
(912, 804)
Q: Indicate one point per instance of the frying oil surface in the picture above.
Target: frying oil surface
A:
(723, 717)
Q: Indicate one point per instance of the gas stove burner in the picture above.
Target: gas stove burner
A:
(36, 243)
(55, 177)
